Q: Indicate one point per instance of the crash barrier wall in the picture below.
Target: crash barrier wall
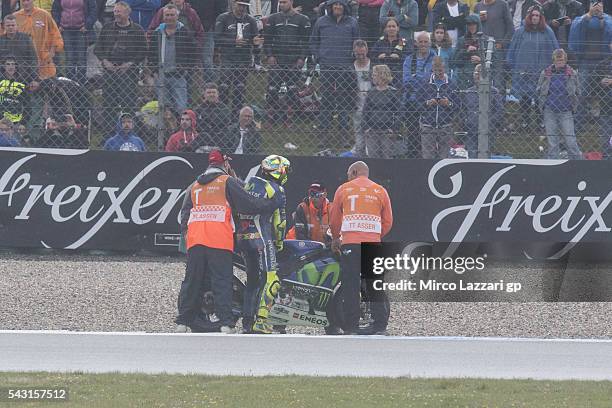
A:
(75, 199)
(316, 110)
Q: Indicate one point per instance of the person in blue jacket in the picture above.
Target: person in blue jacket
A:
(143, 11)
(125, 139)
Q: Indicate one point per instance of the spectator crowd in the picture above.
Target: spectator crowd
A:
(366, 78)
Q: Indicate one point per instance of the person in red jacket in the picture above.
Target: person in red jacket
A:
(182, 141)
(361, 212)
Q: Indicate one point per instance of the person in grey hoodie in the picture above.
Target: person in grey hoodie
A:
(331, 43)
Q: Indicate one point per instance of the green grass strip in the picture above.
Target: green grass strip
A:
(139, 390)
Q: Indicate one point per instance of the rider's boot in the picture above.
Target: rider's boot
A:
(266, 302)
(261, 326)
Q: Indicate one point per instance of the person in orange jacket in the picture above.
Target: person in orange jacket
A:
(208, 225)
(47, 39)
(312, 215)
(361, 212)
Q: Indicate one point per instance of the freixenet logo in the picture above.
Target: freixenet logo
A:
(92, 211)
(574, 214)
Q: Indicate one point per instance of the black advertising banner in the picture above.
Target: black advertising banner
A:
(74, 199)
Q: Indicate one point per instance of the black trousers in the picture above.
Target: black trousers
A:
(278, 101)
(337, 95)
(369, 24)
(350, 272)
(206, 263)
(233, 84)
(119, 96)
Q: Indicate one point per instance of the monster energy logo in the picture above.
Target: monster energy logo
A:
(324, 298)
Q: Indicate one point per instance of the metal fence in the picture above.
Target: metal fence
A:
(313, 110)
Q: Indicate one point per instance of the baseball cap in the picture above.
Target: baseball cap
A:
(316, 189)
(216, 157)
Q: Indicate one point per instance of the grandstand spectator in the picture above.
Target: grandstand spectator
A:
(8, 7)
(437, 98)
(589, 37)
(518, 10)
(406, 15)
(286, 47)
(62, 132)
(603, 79)
(172, 53)
(25, 140)
(382, 115)
(105, 11)
(75, 20)
(209, 11)
(143, 11)
(497, 23)
(243, 137)
(363, 76)
(125, 139)
(559, 16)
(214, 117)
(14, 92)
(331, 43)
(47, 40)
(466, 55)
(417, 67)
(368, 13)
(558, 99)
(235, 35)
(452, 14)
(309, 8)
(423, 13)
(46, 5)
(6, 134)
(442, 44)
(170, 120)
(470, 114)
(187, 16)
(529, 53)
(390, 49)
(20, 45)
(182, 141)
(121, 47)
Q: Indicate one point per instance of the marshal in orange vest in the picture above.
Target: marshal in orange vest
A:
(210, 220)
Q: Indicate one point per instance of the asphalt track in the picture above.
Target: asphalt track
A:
(379, 356)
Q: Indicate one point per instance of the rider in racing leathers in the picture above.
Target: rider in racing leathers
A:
(259, 238)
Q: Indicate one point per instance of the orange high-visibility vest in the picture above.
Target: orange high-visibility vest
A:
(210, 220)
(317, 230)
(291, 233)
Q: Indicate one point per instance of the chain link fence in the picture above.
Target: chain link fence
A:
(316, 110)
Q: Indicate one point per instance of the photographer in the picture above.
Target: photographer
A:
(63, 132)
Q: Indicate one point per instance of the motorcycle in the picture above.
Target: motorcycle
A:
(309, 295)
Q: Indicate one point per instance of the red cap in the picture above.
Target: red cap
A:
(216, 157)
